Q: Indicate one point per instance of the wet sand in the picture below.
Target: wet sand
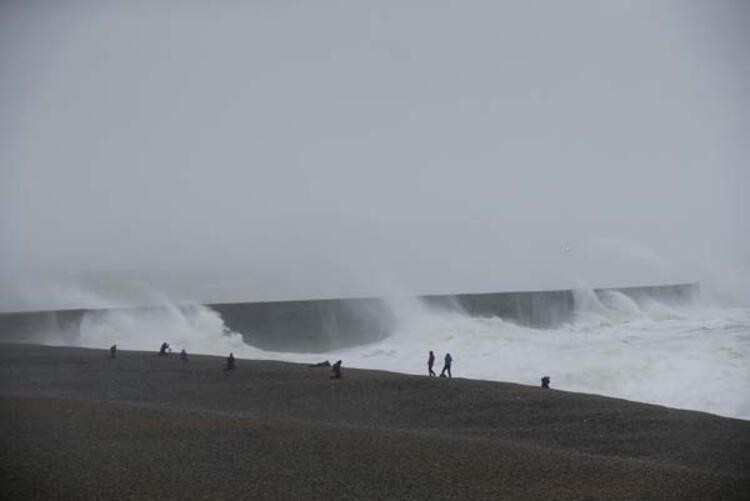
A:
(76, 425)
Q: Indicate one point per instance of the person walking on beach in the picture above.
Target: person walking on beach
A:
(183, 355)
(336, 370)
(163, 349)
(430, 363)
(113, 351)
(447, 366)
(230, 362)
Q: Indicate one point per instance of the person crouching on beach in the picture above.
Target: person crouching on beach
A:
(447, 366)
(430, 363)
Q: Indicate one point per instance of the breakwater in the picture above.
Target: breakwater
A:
(323, 324)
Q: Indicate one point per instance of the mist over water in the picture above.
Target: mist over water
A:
(264, 152)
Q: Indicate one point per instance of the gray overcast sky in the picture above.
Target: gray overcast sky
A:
(289, 149)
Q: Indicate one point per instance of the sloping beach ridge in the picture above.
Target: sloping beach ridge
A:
(78, 425)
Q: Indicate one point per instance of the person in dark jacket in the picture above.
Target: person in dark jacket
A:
(113, 351)
(183, 355)
(447, 366)
(430, 363)
(336, 370)
(163, 349)
(230, 362)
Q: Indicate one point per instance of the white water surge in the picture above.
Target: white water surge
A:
(690, 357)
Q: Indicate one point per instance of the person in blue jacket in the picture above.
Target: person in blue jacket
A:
(447, 366)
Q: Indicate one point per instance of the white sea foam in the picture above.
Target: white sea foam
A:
(690, 357)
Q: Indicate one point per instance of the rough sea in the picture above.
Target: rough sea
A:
(692, 356)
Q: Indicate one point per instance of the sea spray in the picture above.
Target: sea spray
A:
(692, 356)
(194, 327)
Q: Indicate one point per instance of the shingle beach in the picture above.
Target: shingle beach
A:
(75, 424)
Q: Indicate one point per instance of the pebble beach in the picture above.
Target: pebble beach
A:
(75, 424)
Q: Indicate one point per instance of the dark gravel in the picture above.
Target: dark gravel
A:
(76, 425)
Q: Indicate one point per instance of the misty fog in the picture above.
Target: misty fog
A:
(288, 150)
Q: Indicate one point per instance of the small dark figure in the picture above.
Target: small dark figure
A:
(545, 382)
(113, 351)
(183, 355)
(447, 366)
(336, 370)
(230, 362)
(430, 363)
(321, 364)
(163, 349)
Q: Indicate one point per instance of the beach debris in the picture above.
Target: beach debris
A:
(336, 370)
(430, 363)
(113, 351)
(545, 382)
(447, 366)
(321, 364)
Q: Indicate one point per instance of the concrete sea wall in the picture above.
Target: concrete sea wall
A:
(319, 325)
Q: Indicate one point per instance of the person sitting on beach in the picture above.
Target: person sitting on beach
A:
(430, 363)
(113, 351)
(163, 349)
(183, 355)
(336, 370)
(447, 366)
(230, 362)
(545, 382)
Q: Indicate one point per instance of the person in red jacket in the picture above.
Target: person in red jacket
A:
(430, 363)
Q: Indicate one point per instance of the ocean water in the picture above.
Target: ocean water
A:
(694, 356)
